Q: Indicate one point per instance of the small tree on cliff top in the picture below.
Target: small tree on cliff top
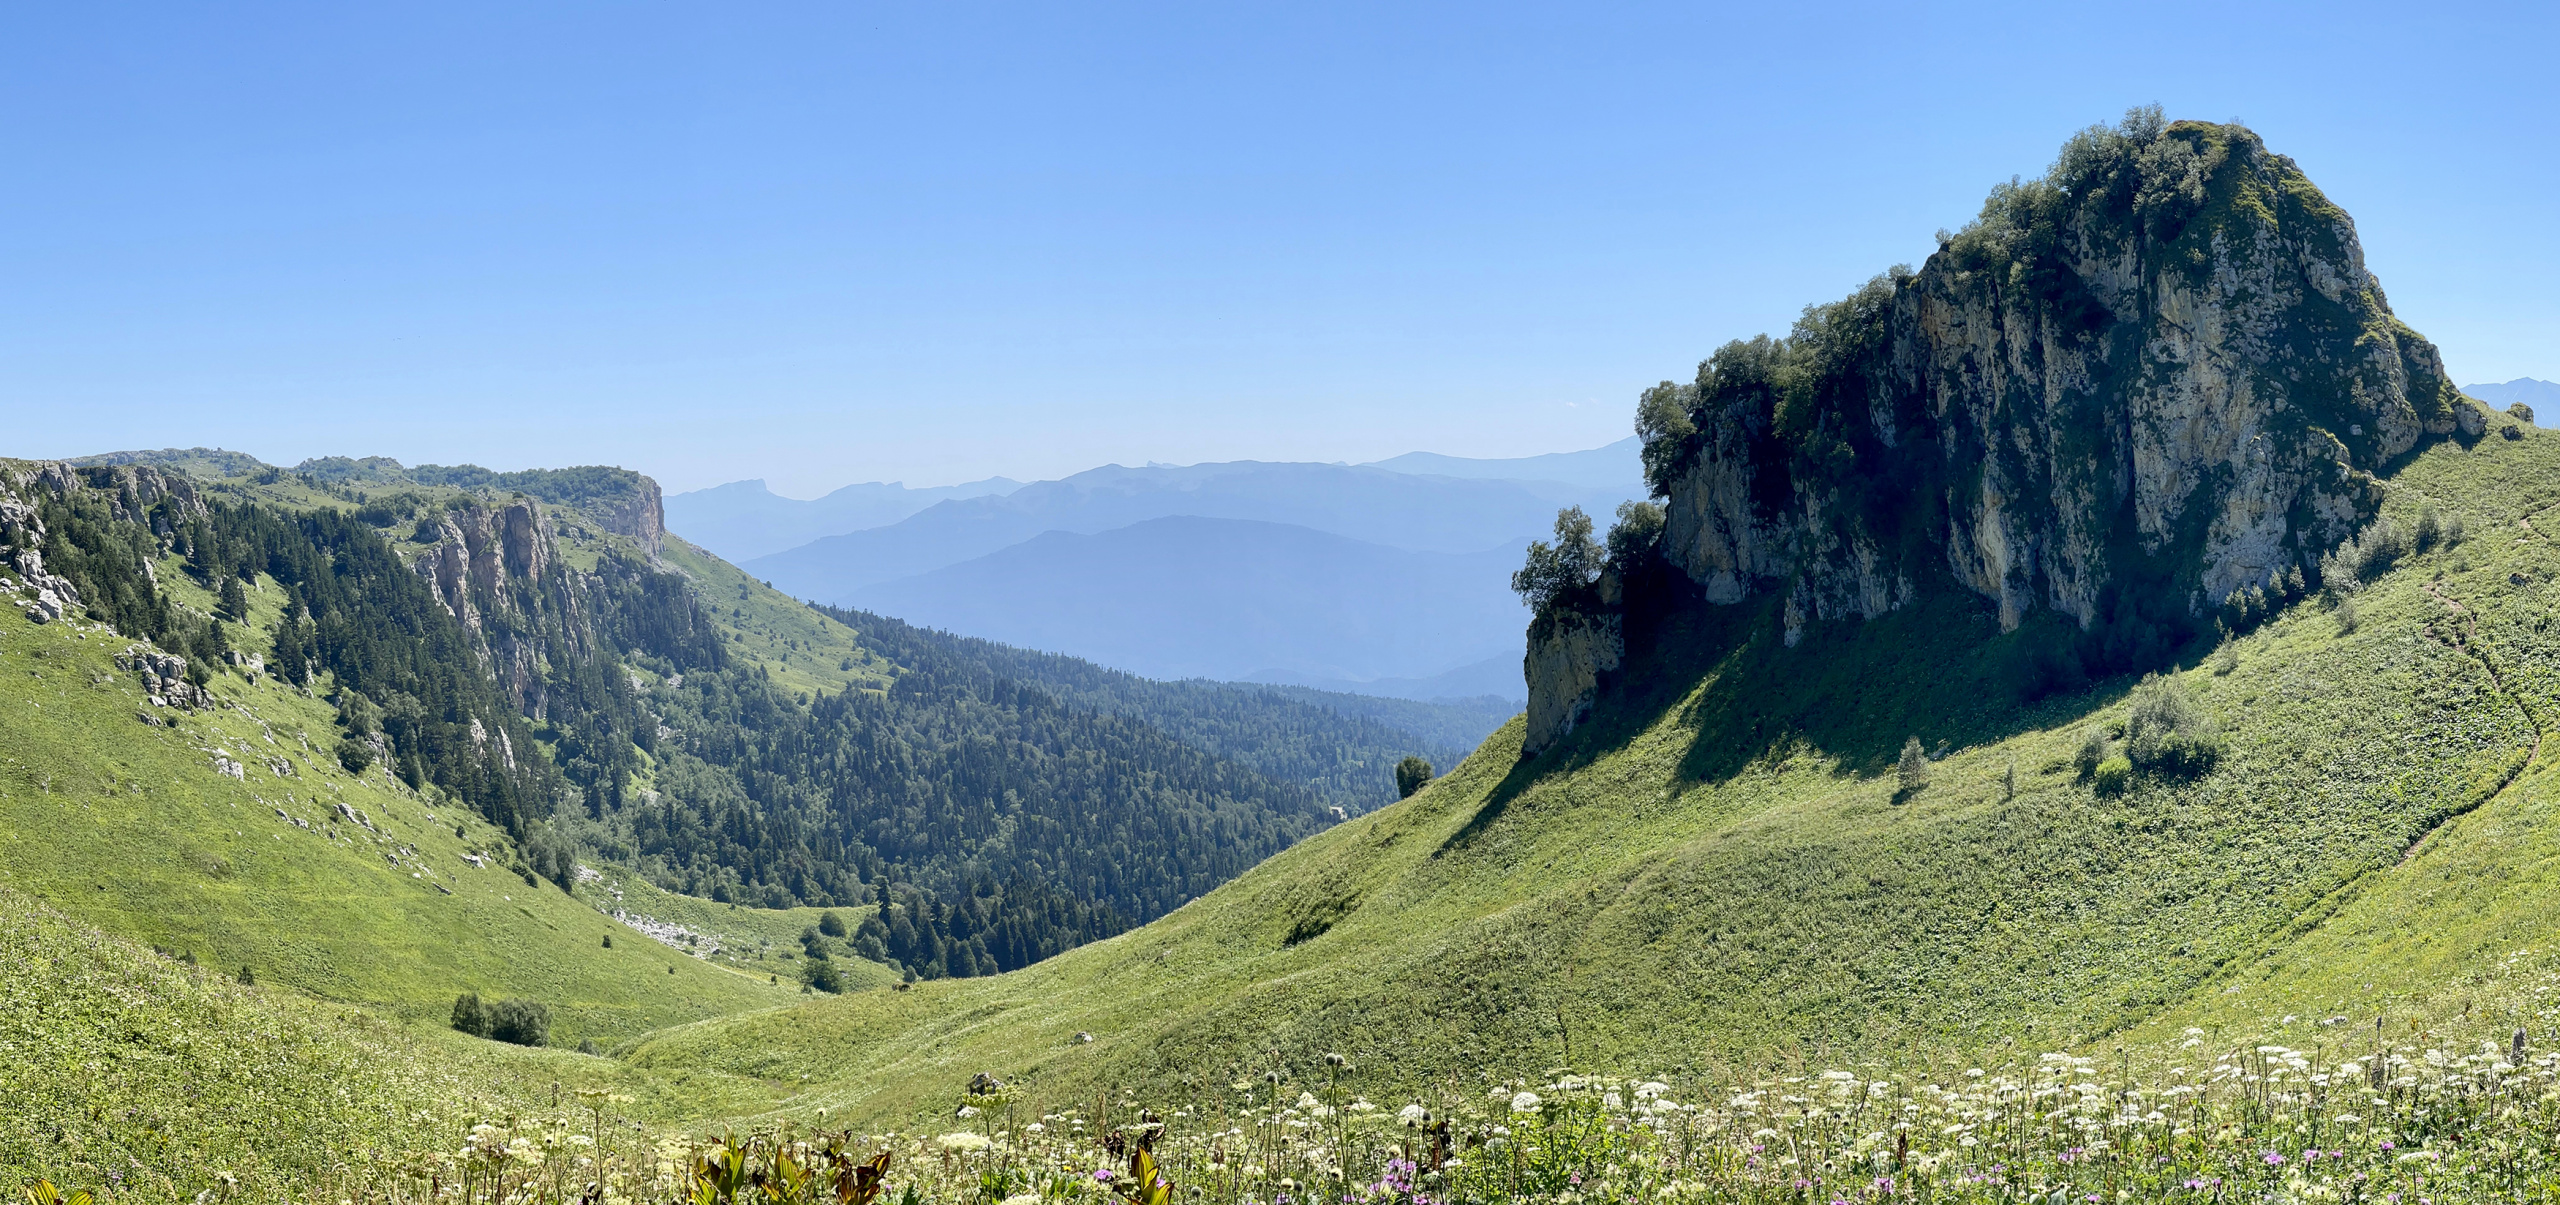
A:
(1565, 567)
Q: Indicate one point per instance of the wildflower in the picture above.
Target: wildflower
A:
(964, 1141)
(1415, 1114)
(1525, 1102)
(1023, 1198)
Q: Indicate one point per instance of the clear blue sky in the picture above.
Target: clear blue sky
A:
(836, 242)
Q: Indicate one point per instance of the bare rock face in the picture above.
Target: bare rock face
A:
(497, 569)
(1568, 651)
(2164, 362)
(642, 515)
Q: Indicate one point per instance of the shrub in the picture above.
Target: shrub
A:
(2170, 732)
(1913, 768)
(470, 1015)
(355, 754)
(1411, 774)
(2346, 616)
(831, 924)
(2226, 659)
(523, 1022)
(2112, 776)
(2094, 748)
(815, 945)
(822, 974)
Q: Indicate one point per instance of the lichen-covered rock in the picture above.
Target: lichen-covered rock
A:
(2164, 364)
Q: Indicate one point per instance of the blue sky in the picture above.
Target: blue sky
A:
(838, 242)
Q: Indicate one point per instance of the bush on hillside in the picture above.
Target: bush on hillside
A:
(2170, 733)
(1411, 774)
(2113, 776)
(470, 1015)
(831, 924)
(523, 1022)
(2095, 747)
(1913, 767)
(822, 974)
(355, 754)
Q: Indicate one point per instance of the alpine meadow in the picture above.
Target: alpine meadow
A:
(2065, 724)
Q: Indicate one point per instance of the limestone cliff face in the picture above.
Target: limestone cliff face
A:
(1568, 651)
(640, 515)
(2159, 376)
(2170, 362)
(496, 568)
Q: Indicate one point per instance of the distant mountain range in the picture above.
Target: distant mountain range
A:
(1600, 468)
(1193, 597)
(2543, 396)
(1380, 506)
(743, 520)
(1389, 579)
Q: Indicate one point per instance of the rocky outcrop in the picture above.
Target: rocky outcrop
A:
(164, 677)
(2157, 379)
(1568, 652)
(133, 493)
(2167, 360)
(640, 515)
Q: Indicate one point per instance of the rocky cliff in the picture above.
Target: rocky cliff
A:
(2156, 378)
(127, 493)
(496, 568)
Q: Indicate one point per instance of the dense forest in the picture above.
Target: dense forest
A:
(1340, 747)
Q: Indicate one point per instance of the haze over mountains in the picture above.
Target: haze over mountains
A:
(743, 519)
(1390, 577)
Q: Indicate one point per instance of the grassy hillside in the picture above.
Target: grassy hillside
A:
(1719, 873)
(134, 828)
(155, 1079)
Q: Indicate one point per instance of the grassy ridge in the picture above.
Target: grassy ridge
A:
(1719, 873)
